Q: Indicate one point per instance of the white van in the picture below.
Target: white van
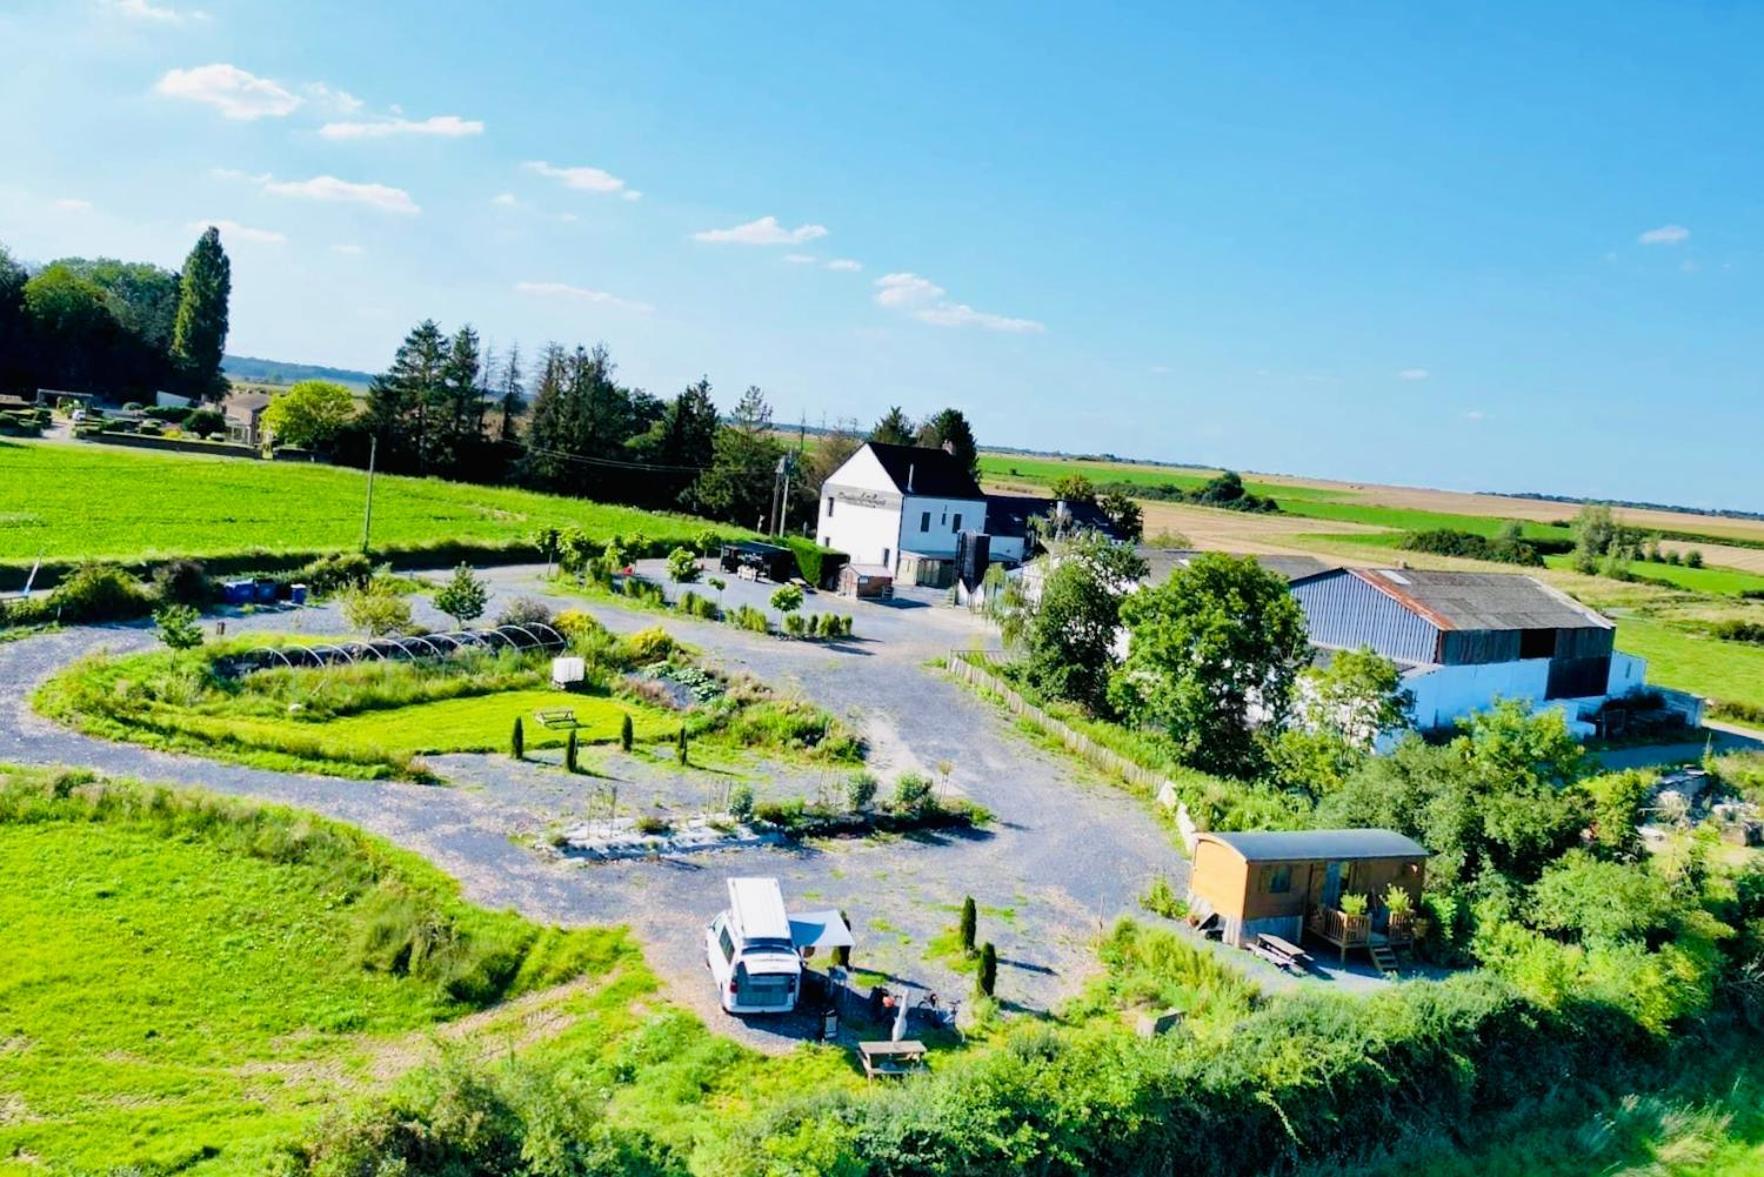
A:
(750, 951)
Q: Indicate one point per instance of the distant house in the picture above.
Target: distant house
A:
(1288, 883)
(904, 509)
(1011, 518)
(1466, 639)
(244, 414)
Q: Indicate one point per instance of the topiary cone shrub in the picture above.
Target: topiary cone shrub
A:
(517, 742)
(970, 924)
(627, 733)
(683, 752)
(570, 752)
(987, 979)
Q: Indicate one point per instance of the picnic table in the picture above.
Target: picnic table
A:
(1280, 952)
(891, 1058)
(557, 717)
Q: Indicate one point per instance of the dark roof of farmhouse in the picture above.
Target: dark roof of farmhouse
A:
(1315, 845)
(1480, 600)
(919, 470)
(1163, 561)
(1009, 515)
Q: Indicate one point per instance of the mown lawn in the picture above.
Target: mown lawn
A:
(1720, 581)
(1047, 470)
(183, 988)
(62, 501)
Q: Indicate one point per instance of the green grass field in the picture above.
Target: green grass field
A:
(187, 982)
(1729, 672)
(1046, 470)
(1729, 582)
(69, 502)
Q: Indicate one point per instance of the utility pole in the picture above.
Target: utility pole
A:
(367, 515)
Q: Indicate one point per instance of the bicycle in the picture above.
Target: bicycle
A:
(941, 1015)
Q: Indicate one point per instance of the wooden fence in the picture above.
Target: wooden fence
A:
(963, 666)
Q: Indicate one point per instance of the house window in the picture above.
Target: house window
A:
(957, 525)
(829, 506)
(1277, 880)
(884, 557)
(924, 521)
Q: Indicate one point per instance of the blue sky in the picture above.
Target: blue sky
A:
(1493, 247)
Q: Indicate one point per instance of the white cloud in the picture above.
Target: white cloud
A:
(801, 259)
(580, 294)
(336, 101)
(903, 291)
(234, 92)
(443, 126)
(1665, 235)
(765, 231)
(632, 194)
(844, 265)
(927, 302)
(156, 14)
(1413, 374)
(74, 204)
(505, 199)
(582, 179)
(348, 249)
(238, 232)
(333, 190)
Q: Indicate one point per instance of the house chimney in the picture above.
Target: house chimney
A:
(909, 478)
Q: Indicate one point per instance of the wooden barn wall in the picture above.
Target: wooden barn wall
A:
(1344, 611)
(1589, 642)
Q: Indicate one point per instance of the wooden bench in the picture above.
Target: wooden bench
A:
(891, 1058)
(1280, 953)
(557, 717)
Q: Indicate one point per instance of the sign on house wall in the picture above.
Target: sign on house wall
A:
(863, 498)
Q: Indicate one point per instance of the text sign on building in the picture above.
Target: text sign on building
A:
(864, 498)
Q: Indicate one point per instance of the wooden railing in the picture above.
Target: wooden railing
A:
(1340, 928)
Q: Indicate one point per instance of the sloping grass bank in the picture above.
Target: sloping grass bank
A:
(187, 980)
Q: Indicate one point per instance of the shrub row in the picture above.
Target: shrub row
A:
(1444, 541)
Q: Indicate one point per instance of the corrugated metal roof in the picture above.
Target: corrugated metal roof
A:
(1318, 845)
(1482, 600)
(1163, 561)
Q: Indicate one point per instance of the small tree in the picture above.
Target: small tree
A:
(376, 610)
(987, 980)
(1693, 558)
(178, 626)
(970, 923)
(787, 599)
(517, 742)
(684, 755)
(310, 414)
(627, 732)
(719, 584)
(683, 566)
(463, 598)
(741, 802)
(571, 752)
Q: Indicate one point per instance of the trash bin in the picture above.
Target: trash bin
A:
(297, 593)
(829, 1025)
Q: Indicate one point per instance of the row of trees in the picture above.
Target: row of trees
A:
(126, 329)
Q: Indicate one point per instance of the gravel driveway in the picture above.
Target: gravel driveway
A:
(1065, 857)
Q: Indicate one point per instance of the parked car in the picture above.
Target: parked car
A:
(750, 952)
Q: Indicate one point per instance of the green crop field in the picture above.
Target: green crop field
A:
(187, 982)
(1727, 672)
(1046, 470)
(68, 502)
(1718, 581)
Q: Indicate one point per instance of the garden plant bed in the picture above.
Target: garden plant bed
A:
(610, 839)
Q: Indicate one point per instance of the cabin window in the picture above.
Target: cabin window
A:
(957, 525)
(1277, 880)
(924, 521)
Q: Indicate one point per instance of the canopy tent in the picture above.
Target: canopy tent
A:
(819, 929)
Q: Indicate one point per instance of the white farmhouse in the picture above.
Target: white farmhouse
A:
(903, 508)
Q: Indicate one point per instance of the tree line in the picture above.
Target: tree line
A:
(127, 329)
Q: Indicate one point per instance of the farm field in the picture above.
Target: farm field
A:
(189, 982)
(1324, 499)
(71, 502)
(1726, 672)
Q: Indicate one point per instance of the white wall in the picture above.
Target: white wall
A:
(1445, 694)
(869, 535)
(943, 519)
